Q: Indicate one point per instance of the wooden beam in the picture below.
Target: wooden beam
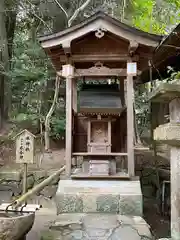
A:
(100, 72)
(99, 57)
(74, 100)
(68, 153)
(130, 125)
(99, 154)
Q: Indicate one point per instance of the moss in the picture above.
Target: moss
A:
(47, 235)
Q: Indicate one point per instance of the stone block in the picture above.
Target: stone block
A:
(11, 172)
(69, 203)
(83, 196)
(168, 133)
(108, 203)
(131, 205)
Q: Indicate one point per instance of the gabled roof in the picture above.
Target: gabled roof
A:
(102, 21)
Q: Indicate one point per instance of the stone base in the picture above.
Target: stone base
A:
(122, 197)
(98, 227)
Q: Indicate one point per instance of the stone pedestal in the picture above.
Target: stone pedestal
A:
(81, 196)
(170, 134)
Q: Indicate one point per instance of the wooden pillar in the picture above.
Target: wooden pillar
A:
(174, 108)
(68, 153)
(121, 83)
(74, 84)
(109, 135)
(130, 125)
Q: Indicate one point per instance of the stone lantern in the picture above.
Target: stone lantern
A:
(169, 133)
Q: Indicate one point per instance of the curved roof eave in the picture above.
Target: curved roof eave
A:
(100, 20)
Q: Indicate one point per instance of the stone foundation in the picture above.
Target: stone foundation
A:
(98, 227)
(122, 197)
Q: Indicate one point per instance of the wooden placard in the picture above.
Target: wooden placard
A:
(25, 147)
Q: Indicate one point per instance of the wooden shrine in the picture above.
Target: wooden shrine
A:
(100, 116)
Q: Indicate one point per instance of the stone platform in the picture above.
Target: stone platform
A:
(97, 196)
(98, 227)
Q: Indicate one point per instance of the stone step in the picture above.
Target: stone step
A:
(98, 227)
(82, 196)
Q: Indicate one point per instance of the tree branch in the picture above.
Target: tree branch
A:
(45, 24)
(81, 8)
(48, 116)
(61, 7)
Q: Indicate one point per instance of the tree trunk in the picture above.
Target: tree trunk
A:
(11, 15)
(48, 117)
(4, 60)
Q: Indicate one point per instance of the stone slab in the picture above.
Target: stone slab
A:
(11, 172)
(98, 227)
(122, 197)
(168, 133)
(165, 92)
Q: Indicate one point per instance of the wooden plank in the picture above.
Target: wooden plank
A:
(99, 57)
(98, 154)
(68, 125)
(86, 176)
(130, 125)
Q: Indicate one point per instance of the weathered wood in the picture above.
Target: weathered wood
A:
(99, 57)
(130, 125)
(86, 176)
(74, 100)
(101, 22)
(100, 71)
(99, 154)
(174, 108)
(68, 153)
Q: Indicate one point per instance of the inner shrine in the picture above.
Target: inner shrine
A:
(101, 60)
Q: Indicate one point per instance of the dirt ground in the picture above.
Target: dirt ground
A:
(160, 225)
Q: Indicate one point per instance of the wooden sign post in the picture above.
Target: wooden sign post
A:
(25, 152)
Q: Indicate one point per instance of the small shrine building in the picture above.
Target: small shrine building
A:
(100, 120)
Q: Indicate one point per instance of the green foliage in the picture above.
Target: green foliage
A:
(58, 127)
(31, 75)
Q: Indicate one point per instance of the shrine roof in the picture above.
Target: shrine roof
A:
(103, 21)
(100, 98)
(166, 54)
